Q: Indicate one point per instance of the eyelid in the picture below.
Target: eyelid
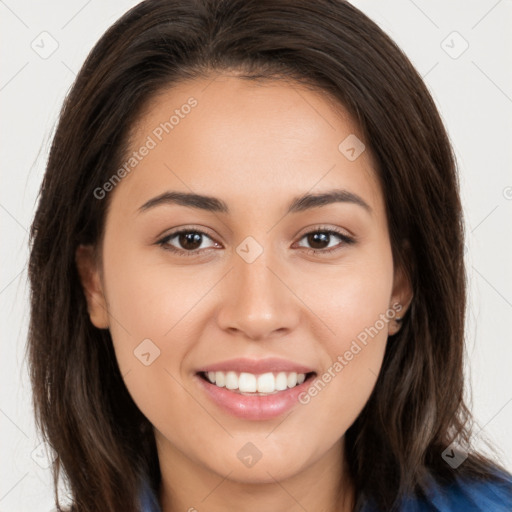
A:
(186, 227)
(326, 228)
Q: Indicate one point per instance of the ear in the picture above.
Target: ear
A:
(401, 298)
(91, 282)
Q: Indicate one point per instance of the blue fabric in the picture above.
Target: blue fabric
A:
(148, 500)
(459, 497)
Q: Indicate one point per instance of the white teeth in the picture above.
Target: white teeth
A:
(281, 381)
(246, 382)
(291, 380)
(220, 379)
(231, 380)
(266, 383)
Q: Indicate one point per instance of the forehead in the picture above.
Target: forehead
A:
(231, 137)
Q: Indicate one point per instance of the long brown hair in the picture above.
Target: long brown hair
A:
(105, 446)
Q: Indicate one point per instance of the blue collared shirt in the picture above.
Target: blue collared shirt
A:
(462, 496)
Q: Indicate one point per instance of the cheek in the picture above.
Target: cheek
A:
(152, 333)
(148, 302)
(354, 306)
(352, 299)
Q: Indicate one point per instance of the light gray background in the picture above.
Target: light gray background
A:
(473, 92)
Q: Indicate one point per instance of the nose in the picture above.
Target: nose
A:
(257, 301)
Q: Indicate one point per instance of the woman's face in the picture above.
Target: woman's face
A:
(241, 290)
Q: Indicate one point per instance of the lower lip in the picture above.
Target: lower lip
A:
(262, 407)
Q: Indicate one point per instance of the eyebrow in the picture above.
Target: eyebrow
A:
(213, 204)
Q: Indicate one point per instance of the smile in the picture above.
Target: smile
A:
(245, 382)
(251, 396)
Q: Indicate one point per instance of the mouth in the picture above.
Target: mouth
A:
(253, 396)
(251, 384)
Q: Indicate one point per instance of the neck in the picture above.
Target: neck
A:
(322, 486)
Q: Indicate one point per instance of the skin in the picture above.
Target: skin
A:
(255, 146)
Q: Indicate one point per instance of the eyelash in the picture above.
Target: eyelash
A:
(346, 240)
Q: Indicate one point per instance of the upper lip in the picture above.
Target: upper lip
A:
(256, 366)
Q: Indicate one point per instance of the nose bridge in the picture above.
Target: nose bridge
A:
(255, 280)
(257, 301)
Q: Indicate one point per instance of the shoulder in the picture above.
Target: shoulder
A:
(470, 495)
(463, 495)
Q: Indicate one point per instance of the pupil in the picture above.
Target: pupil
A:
(318, 238)
(190, 240)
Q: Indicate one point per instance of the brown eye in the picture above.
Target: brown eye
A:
(187, 241)
(318, 240)
(190, 241)
(324, 241)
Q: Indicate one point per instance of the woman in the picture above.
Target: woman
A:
(247, 272)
